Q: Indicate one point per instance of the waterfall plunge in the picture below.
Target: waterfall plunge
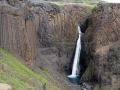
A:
(76, 67)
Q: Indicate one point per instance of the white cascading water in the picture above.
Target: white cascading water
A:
(76, 67)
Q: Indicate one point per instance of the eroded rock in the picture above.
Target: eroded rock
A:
(102, 41)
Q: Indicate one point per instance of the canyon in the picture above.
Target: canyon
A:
(42, 36)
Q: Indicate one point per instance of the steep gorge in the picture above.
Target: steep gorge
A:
(44, 36)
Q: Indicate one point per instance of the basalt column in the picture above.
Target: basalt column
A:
(17, 32)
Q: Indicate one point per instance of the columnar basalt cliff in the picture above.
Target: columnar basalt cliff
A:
(53, 25)
(56, 34)
(17, 29)
(78, 16)
(43, 34)
(57, 24)
(103, 50)
(21, 21)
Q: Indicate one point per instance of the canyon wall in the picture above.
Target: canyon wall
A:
(56, 34)
(17, 29)
(56, 24)
(41, 33)
(103, 47)
(27, 25)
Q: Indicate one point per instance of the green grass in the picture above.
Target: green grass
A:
(20, 77)
(44, 86)
(66, 3)
(47, 72)
(86, 1)
(87, 70)
(61, 3)
(107, 73)
(89, 5)
(99, 88)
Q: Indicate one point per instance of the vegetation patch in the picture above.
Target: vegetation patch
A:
(89, 5)
(89, 20)
(99, 88)
(87, 70)
(46, 72)
(86, 1)
(44, 86)
(61, 3)
(107, 73)
(22, 78)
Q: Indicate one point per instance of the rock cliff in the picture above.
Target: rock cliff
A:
(56, 34)
(43, 34)
(17, 29)
(26, 25)
(103, 50)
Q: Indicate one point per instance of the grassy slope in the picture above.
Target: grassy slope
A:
(61, 3)
(22, 78)
(83, 4)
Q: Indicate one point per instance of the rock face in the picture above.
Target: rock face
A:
(103, 46)
(17, 29)
(27, 25)
(56, 31)
(42, 34)
(53, 25)
(77, 12)
(5, 87)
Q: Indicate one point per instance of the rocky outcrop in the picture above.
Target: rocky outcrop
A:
(53, 26)
(5, 87)
(102, 42)
(57, 24)
(17, 29)
(78, 12)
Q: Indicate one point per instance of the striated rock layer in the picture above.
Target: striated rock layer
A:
(103, 47)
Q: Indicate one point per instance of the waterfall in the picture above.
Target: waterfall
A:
(76, 67)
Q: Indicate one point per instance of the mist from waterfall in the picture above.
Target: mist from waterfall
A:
(76, 66)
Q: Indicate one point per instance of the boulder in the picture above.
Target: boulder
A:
(5, 87)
